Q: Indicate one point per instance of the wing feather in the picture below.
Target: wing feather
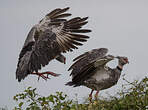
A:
(56, 12)
(85, 74)
(79, 35)
(88, 57)
(73, 20)
(54, 34)
(58, 21)
(53, 12)
(70, 37)
(68, 42)
(67, 31)
(38, 55)
(85, 61)
(61, 16)
(69, 34)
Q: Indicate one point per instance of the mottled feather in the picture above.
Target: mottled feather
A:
(84, 65)
(54, 34)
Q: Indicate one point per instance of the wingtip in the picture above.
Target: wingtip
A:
(88, 37)
(85, 18)
(69, 69)
(69, 14)
(18, 80)
(74, 60)
(69, 83)
(67, 8)
(90, 30)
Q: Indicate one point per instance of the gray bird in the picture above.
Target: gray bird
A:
(90, 70)
(46, 41)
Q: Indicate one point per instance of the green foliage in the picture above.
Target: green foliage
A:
(33, 101)
(134, 96)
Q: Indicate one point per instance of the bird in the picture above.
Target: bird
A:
(90, 69)
(47, 40)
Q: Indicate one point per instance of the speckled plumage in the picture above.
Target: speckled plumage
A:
(90, 70)
(103, 78)
(48, 39)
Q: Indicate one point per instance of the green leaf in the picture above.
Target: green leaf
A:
(20, 104)
(30, 93)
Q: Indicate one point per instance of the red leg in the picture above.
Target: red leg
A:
(90, 95)
(96, 95)
(50, 73)
(43, 74)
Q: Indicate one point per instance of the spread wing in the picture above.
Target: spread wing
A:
(57, 35)
(87, 63)
(88, 57)
(37, 54)
(68, 32)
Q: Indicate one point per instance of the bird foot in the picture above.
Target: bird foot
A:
(90, 96)
(42, 75)
(96, 95)
(90, 99)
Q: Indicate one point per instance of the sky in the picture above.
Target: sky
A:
(119, 25)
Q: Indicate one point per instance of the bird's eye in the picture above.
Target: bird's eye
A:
(125, 59)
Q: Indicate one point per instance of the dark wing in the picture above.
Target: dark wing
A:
(88, 57)
(59, 35)
(37, 54)
(67, 31)
(85, 64)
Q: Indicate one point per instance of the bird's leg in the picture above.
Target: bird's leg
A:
(96, 95)
(90, 95)
(43, 74)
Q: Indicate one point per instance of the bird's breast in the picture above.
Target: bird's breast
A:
(100, 75)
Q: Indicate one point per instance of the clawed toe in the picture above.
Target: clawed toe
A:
(45, 75)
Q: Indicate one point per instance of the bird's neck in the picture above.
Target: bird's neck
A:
(119, 67)
(117, 72)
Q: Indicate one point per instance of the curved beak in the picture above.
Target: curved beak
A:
(118, 57)
(127, 61)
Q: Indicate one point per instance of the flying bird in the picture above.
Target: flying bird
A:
(47, 40)
(90, 70)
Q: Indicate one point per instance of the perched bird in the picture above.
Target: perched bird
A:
(46, 41)
(90, 70)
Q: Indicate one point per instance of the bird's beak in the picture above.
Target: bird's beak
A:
(127, 61)
(119, 58)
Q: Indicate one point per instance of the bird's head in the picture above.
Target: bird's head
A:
(122, 60)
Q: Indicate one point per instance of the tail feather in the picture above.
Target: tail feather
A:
(23, 67)
(69, 83)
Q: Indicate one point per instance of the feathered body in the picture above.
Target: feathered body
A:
(90, 70)
(103, 78)
(48, 39)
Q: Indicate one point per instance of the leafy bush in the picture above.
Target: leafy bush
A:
(34, 101)
(133, 96)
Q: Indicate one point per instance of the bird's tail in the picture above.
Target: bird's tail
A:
(23, 66)
(70, 83)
